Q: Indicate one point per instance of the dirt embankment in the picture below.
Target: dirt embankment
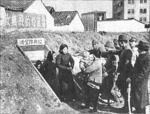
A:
(75, 41)
(22, 90)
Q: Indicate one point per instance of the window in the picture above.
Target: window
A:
(143, 1)
(130, 1)
(130, 11)
(143, 11)
(143, 19)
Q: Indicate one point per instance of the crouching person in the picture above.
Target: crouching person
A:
(94, 81)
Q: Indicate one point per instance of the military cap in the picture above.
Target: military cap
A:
(144, 46)
(122, 38)
(109, 44)
(133, 39)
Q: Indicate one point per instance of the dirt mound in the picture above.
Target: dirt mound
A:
(75, 41)
(22, 90)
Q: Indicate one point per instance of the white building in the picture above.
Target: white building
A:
(137, 9)
(67, 21)
(125, 25)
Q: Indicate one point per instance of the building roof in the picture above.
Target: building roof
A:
(16, 5)
(94, 12)
(50, 9)
(63, 17)
(111, 19)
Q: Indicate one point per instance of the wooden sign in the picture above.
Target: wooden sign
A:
(31, 41)
(37, 53)
(24, 20)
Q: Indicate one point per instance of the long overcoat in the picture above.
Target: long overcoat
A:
(139, 80)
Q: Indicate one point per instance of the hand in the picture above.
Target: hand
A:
(128, 80)
(105, 74)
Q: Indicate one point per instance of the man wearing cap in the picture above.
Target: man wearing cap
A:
(124, 66)
(110, 68)
(139, 79)
(134, 49)
(96, 48)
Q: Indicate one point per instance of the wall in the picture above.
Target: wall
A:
(121, 26)
(2, 17)
(76, 25)
(34, 8)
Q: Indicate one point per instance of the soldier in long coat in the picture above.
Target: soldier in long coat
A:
(140, 78)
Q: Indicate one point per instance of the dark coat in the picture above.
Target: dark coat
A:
(63, 62)
(49, 70)
(124, 66)
(140, 81)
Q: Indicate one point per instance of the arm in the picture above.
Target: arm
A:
(94, 66)
(71, 61)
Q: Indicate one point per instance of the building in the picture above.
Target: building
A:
(82, 6)
(121, 25)
(29, 7)
(137, 9)
(90, 20)
(67, 21)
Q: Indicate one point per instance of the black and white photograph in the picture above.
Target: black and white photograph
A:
(74, 56)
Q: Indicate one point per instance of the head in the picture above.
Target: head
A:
(50, 55)
(38, 64)
(133, 42)
(63, 49)
(109, 46)
(86, 54)
(143, 46)
(94, 44)
(122, 41)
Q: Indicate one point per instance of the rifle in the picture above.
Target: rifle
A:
(129, 96)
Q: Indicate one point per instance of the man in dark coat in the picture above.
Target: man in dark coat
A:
(139, 80)
(124, 67)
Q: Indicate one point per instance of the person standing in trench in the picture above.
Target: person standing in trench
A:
(65, 64)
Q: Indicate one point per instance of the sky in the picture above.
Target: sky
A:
(82, 6)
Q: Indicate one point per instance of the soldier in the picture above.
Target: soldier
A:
(124, 66)
(96, 48)
(110, 69)
(139, 80)
(134, 49)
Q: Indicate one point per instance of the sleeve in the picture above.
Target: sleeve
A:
(145, 69)
(114, 65)
(71, 60)
(94, 66)
(58, 63)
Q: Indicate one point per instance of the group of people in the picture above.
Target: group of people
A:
(127, 61)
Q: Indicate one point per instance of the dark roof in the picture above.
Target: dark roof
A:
(63, 17)
(50, 9)
(16, 5)
(94, 12)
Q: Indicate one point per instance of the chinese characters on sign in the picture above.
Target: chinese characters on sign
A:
(31, 41)
(33, 55)
(25, 20)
